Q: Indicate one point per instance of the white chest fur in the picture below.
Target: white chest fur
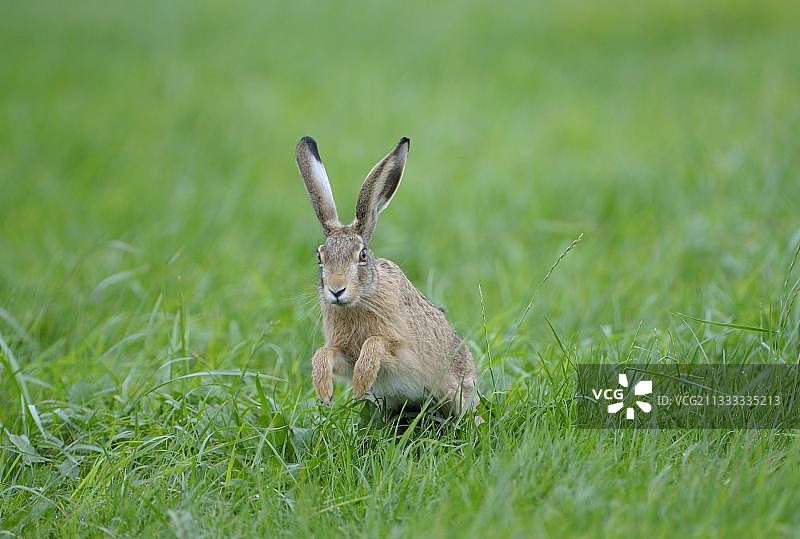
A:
(395, 389)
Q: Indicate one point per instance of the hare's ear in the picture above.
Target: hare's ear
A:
(379, 188)
(317, 184)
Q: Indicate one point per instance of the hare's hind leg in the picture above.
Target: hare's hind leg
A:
(462, 399)
(470, 400)
(323, 362)
(374, 350)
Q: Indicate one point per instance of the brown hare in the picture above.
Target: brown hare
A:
(380, 331)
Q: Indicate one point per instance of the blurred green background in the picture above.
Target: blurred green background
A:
(151, 209)
(666, 133)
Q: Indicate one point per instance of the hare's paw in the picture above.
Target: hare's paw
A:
(367, 366)
(364, 376)
(322, 373)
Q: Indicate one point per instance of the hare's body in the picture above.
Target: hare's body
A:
(424, 355)
(380, 331)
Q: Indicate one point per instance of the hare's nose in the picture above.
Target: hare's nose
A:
(337, 293)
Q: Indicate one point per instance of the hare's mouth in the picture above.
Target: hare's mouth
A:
(333, 300)
(341, 302)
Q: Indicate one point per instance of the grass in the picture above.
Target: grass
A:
(157, 311)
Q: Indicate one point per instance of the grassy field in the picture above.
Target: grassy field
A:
(157, 266)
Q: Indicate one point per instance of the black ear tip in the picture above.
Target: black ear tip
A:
(406, 141)
(312, 145)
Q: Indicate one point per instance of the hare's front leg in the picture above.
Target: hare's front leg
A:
(374, 350)
(322, 364)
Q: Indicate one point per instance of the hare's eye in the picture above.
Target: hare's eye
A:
(362, 256)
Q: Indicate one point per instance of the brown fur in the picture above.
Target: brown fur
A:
(380, 331)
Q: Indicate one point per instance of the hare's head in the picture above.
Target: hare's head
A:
(347, 266)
